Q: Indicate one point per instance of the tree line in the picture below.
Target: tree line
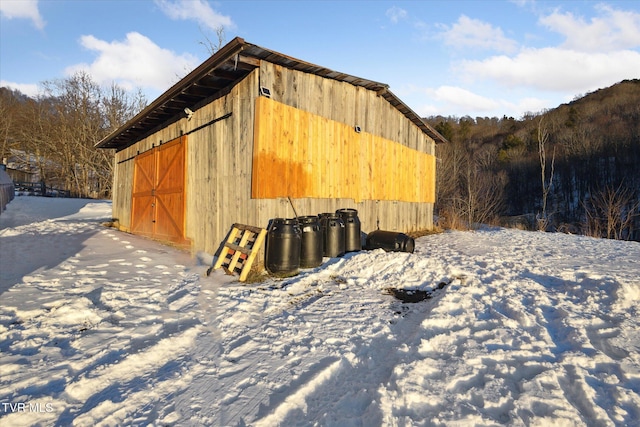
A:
(54, 134)
(574, 168)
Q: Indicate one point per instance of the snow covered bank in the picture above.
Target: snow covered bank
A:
(101, 327)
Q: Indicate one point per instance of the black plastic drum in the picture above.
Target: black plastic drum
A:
(332, 228)
(283, 246)
(352, 242)
(390, 241)
(311, 249)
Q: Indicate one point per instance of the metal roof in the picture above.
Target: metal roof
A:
(219, 73)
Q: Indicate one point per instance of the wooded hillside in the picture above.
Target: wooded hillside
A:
(52, 137)
(589, 150)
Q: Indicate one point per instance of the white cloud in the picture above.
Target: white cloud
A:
(473, 33)
(459, 101)
(459, 97)
(196, 10)
(31, 90)
(556, 69)
(134, 62)
(522, 3)
(531, 105)
(25, 9)
(593, 55)
(396, 14)
(611, 30)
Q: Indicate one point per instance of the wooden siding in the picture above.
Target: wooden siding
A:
(299, 154)
(123, 172)
(220, 155)
(219, 174)
(344, 103)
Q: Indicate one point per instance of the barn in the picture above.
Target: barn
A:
(251, 128)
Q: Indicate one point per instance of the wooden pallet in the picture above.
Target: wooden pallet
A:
(240, 250)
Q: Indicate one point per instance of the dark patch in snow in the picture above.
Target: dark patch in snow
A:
(409, 295)
(413, 295)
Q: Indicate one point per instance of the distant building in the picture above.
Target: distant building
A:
(21, 167)
(6, 188)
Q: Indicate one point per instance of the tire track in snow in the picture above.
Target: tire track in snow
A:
(298, 399)
(133, 366)
(236, 348)
(362, 346)
(344, 391)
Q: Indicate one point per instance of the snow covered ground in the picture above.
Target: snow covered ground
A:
(99, 327)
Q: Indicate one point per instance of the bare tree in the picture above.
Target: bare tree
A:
(484, 190)
(36, 139)
(547, 183)
(610, 213)
(117, 107)
(58, 132)
(469, 192)
(9, 109)
(79, 126)
(213, 46)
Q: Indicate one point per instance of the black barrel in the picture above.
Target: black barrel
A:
(283, 246)
(352, 242)
(332, 228)
(390, 241)
(312, 242)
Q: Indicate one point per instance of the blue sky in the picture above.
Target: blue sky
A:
(477, 58)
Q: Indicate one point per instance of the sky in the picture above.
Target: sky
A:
(450, 58)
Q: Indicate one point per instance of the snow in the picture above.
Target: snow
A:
(99, 327)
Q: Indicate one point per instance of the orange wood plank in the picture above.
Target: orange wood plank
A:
(299, 154)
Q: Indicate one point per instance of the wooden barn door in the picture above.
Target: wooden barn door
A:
(159, 192)
(144, 177)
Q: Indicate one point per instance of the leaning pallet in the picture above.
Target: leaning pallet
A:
(240, 249)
